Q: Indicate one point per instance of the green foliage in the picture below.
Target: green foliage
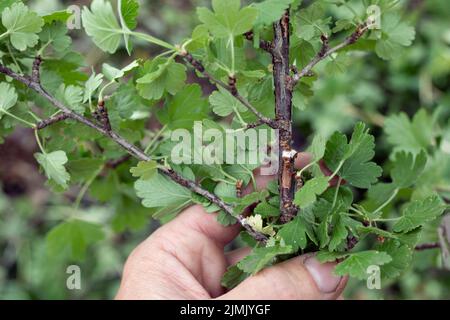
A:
(339, 205)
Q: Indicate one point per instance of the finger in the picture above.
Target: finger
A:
(300, 278)
(237, 255)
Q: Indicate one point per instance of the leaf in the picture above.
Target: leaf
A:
(419, 212)
(53, 165)
(356, 264)
(112, 74)
(309, 192)
(57, 16)
(395, 35)
(145, 170)
(72, 96)
(266, 210)
(130, 12)
(9, 97)
(186, 107)
(357, 169)
(159, 191)
(317, 147)
(256, 223)
(72, 238)
(311, 22)
(56, 35)
(401, 258)
(7, 3)
(228, 20)
(160, 76)
(226, 219)
(339, 233)
(294, 233)
(93, 83)
(407, 168)
(101, 24)
(224, 103)
(410, 136)
(233, 277)
(270, 11)
(261, 257)
(22, 26)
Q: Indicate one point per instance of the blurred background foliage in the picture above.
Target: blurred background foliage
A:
(370, 89)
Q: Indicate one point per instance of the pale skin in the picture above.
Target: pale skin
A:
(185, 259)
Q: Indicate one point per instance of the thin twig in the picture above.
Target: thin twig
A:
(48, 122)
(326, 52)
(427, 246)
(132, 150)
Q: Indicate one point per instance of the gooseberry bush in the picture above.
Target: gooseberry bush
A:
(96, 129)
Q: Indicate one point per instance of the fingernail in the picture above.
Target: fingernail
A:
(322, 273)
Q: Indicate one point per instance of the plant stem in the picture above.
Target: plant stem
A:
(283, 112)
(155, 139)
(394, 194)
(85, 187)
(38, 140)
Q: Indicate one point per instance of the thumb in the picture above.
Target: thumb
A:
(300, 278)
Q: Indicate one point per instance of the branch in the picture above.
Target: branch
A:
(283, 111)
(325, 52)
(197, 65)
(48, 122)
(427, 246)
(131, 149)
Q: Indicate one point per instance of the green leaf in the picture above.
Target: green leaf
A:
(57, 16)
(228, 20)
(9, 97)
(407, 168)
(317, 147)
(7, 3)
(419, 212)
(53, 165)
(410, 136)
(338, 234)
(401, 258)
(72, 238)
(309, 192)
(312, 22)
(294, 233)
(224, 103)
(186, 107)
(112, 74)
(266, 210)
(270, 11)
(93, 83)
(233, 277)
(130, 12)
(101, 24)
(395, 35)
(56, 35)
(356, 264)
(226, 219)
(145, 170)
(159, 191)
(261, 257)
(22, 26)
(160, 76)
(357, 169)
(72, 96)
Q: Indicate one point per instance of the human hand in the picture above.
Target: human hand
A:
(185, 259)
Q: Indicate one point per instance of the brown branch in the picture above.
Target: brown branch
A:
(283, 111)
(132, 150)
(326, 52)
(36, 69)
(48, 122)
(101, 115)
(197, 65)
(427, 246)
